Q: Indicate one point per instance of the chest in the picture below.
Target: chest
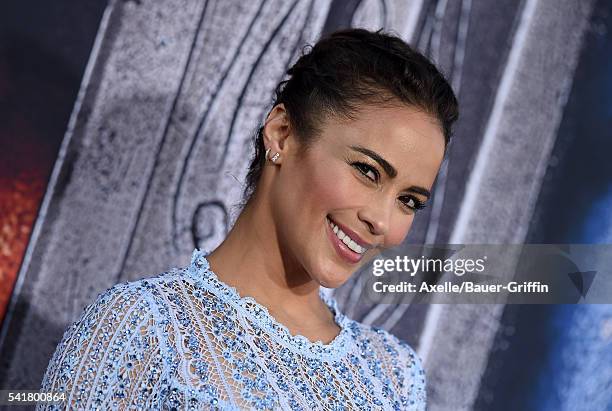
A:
(234, 362)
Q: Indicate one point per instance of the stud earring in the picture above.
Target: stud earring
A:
(274, 157)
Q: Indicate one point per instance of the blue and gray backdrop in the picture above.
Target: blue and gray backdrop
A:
(151, 162)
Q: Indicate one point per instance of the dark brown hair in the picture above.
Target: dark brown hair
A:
(346, 70)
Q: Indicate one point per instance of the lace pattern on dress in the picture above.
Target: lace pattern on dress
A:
(185, 340)
(200, 267)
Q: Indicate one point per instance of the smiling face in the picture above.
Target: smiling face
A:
(363, 179)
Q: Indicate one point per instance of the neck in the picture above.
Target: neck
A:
(252, 260)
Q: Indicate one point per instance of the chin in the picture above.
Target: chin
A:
(332, 276)
(331, 284)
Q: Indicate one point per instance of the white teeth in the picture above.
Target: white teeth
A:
(347, 240)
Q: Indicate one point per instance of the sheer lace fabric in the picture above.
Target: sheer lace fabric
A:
(185, 340)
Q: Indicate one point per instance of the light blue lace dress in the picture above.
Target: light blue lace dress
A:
(186, 340)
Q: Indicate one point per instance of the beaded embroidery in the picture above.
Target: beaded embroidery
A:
(186, 340)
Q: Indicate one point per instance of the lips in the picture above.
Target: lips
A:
(352, 235)
(341, 249)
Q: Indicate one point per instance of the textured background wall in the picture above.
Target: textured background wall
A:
(159, 139)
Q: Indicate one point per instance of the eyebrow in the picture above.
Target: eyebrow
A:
(389, 169)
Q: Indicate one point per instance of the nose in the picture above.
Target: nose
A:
(376, 217)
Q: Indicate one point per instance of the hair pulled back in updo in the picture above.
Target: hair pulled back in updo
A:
(348, 69)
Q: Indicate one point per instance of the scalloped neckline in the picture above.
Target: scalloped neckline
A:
(259, 313)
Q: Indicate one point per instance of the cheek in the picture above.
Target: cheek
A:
(399, 228)
(305, 193)
(331, 188)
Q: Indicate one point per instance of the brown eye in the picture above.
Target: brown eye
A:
(412, 203)
(367, 170)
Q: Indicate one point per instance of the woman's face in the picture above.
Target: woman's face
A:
(365, 177)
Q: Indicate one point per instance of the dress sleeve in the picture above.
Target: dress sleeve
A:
(110, 358)
(414, 385)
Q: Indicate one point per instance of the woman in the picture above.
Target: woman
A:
(346, 157)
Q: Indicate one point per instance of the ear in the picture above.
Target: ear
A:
(277, 130)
